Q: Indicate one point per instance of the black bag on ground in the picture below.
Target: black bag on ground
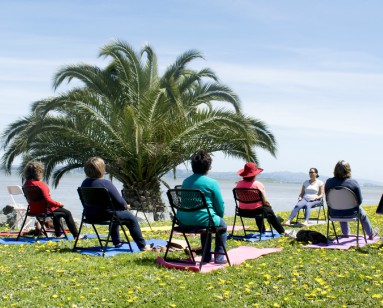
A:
(311, 236)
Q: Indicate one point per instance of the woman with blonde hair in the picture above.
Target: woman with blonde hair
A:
(95, 169)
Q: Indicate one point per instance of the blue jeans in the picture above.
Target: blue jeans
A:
(365, 224)
(206, 240)
(303, 204)
(131, 222)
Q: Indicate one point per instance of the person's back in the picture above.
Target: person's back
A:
(118, 201)
(250, 184)
(211, 190)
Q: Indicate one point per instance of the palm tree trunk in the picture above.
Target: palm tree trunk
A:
(145, 196)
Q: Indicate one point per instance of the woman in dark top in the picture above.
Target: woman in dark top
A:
(95, 169)
(342, 177)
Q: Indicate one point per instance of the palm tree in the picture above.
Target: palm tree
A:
(142, 124)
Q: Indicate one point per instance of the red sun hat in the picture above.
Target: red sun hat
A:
(249, 170)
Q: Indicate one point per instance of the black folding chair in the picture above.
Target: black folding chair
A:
(192, 200)
(342, 206)
(138, 205)
(320, 207)
(249, 195)
(35, 194)
(99, 210)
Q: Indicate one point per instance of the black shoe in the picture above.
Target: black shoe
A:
(118, 245)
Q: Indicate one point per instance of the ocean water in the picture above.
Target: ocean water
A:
(282, 196)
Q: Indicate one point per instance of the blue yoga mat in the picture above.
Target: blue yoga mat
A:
(254, 237)
(112, 251)
(42, 239)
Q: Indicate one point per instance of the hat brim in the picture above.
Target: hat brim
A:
(244, 174)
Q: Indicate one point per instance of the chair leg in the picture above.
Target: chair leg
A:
(243, 225)
(190, 249)
(22, 227)
(126, 237)
(78, 236)
(336, 235)
(271, 227)
(41, 221)
(204, 251)
(98, 236)
(58, 219)
(235, 218)
(357, 233)
(224, 248)
(107, 239)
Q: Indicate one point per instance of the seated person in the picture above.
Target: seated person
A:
(201, 163)
(95, 169)
(342, 177)
(311, 194)
(249, 174)
(33, 173)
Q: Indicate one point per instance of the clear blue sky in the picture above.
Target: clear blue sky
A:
(312, 70)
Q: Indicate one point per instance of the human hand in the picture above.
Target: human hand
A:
(61, 205)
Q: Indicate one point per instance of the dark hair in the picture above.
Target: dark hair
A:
(342, 170)
(249, 178)
(33, 170)
(201, 162)
(316, 171)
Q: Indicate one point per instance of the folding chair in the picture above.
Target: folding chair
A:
(249, 195)
(321, 208)
(138, 206)
(35, 194)
(98, 209)
(16, 190)
(379, 209)
(192, 200)
(342, 206)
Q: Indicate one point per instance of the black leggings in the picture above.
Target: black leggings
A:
(67, 215)
(268, 212)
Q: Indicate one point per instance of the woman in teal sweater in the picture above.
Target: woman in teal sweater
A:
(201, 163)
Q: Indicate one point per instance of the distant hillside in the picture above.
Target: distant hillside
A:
(280, 176)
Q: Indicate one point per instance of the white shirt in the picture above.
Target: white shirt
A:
(311, 190)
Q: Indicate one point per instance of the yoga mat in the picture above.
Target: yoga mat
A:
(236, 256)
(254, 237)
(112, 251)
(41, 240)
(229, 229)
(344, 243)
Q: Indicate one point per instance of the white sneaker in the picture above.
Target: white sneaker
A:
(290, 233)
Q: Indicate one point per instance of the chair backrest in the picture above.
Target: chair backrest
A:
(33, 194)
(247, 196)
(341, 201)
(96, 201)
(14, 190)
(188, 200)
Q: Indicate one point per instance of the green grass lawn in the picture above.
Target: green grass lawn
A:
(50, 275)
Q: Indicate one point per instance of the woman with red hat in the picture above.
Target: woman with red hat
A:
(249, 173)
